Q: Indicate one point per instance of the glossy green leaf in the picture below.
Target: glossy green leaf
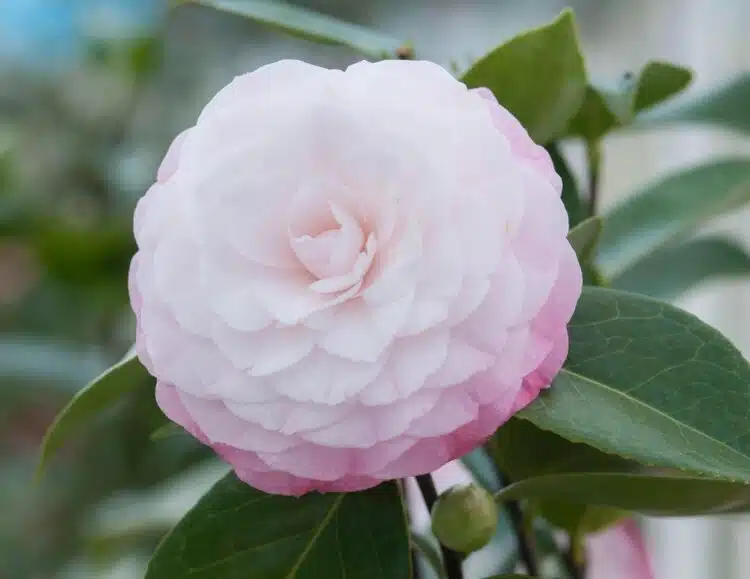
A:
(98, 395)
(673, 206)
(725, 107)
(605, 109)
(584, 237)
(545, 460)
(237, 531)
(672, 270)
(571, 195)
(522, 450)
(668, 495)
(651, 383)
(310, 25)
(548, 99)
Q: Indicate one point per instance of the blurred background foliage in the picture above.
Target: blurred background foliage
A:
(91, 94)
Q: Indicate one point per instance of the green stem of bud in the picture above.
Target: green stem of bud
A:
(451, 559)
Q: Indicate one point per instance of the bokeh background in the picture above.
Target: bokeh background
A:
(91, 93)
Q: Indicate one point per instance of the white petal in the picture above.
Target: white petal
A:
(351, 337)
(461, 363)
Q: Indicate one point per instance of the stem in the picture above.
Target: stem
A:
(526, 542)
(594, 158)
(415, 570)
(451, 559)
(574, 561)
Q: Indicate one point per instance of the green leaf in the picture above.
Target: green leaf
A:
(237, 531)
(584, 237)
(523, 451)
(651, 383)
(605, 109)
(675, 495)
(725, 107)
(304, 23)
(167, 430)
(571, 196)
(99, 394)
(658, 82)
(543, 101)
(480, 465)
(672, 270)
(578, 518)
(673, 206)
(545, 460)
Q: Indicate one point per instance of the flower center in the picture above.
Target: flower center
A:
(337, 249)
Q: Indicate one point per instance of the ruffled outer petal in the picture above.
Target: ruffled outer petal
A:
(345, 277)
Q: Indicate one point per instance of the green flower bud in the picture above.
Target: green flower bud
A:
(464, 518)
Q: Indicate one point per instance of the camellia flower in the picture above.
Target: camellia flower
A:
(345, 277)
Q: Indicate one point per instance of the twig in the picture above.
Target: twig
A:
(526, 542)
(573, 565)
(451, 559)
(594, 159)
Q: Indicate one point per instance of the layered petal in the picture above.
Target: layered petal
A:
(345, 277)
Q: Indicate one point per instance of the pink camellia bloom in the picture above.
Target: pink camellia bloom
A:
(345, 277)
(618, 553)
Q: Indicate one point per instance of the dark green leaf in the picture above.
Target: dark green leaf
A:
(167, 430)
(724, 107)
(571, 195)
(102, 392)
(670, 271)
(651, 383)
(673, 206)
(650, 494)
(310, 25)
(605, 109)
(237, 531)
(595, 118)
(658, 82)
(578, 518)
(523, 450)
(545, 101)
(584, 237)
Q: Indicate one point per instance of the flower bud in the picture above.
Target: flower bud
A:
(464, 518)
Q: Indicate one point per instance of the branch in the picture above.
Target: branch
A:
(594, 159)
(526, 541)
